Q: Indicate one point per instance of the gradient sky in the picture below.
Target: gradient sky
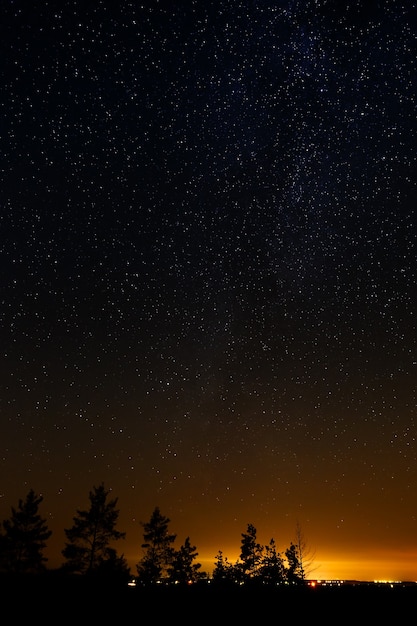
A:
(208, 286)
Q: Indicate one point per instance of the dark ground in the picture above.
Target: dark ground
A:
(58, 602)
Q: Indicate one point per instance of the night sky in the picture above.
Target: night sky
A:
(209, 273)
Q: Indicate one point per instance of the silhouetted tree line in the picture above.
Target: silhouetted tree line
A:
(89, 549)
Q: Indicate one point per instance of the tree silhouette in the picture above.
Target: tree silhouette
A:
(183, 569)
(295, 574)
(305, 554)
(223, 570)
(250, 553)
(89, 550)
(159, 553)
(263, 564)
(24, 538)
(272, 569)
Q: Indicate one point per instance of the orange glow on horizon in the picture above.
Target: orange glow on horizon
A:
(355, 557)
(364, 567)
(370, 566)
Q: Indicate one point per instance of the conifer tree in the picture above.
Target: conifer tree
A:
(24, 538)
(250, 553)
(294, 571)
(89, 549)
(184, 570)
(272, 570)
(158, 549)
(223, 570)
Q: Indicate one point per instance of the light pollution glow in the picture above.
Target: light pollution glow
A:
(329, 561)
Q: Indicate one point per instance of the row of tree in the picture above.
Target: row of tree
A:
(89, 549)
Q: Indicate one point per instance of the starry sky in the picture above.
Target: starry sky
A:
(209, 285)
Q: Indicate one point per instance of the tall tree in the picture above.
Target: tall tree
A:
(305, 553)
(158, 549)
(223, 570)
(89, 549)
(250, 553)
(24, 538)
(183, 569)
(294, 572)
(272, 569)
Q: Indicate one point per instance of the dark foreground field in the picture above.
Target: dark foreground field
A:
(50, 601)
